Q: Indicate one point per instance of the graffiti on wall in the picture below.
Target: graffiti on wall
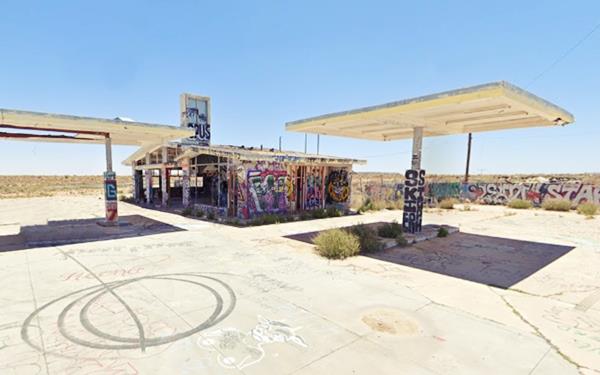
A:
(314, 188)
(383, 191)
(267, 191)
(414, 190)
(441, 190)
(502, 193)
(338, 186)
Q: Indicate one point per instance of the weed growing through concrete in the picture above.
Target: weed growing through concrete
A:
(390, 230)
(442, 232)
(588, 209)
(337, 244)
(448, 203)
(555, 204)
(369, 242)
(520, 204)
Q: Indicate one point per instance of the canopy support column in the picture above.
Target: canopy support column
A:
(414, 187)
(110, 187)
(164, 178)
(148, 173)
(185, 182)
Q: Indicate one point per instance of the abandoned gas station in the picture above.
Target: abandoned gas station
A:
(178, 166)
(488, 107)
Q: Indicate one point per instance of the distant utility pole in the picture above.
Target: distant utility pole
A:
(468, 158)
(305, 141)
(318, 142)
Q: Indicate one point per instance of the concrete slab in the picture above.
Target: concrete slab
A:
(85, 307)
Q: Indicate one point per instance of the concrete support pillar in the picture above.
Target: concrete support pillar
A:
(148, 173)
(135, 182)
(414, 188)
(110, 187)
(185, 181)
(164, 178)
(417, 146)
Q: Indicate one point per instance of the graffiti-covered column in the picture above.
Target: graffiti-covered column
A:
(185, 181)
(110, 188)
(164, 178)
(414, 187)
(135, 182)
(148, 175)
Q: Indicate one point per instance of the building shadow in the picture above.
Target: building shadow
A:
(67, 232)
(495, 261)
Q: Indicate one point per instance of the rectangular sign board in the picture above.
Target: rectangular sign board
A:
(195, 114)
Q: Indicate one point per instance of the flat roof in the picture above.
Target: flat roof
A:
(244, 153)
(77, 129)
(487, 107)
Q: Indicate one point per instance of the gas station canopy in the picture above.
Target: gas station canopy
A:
(487, 107)
(34, 126)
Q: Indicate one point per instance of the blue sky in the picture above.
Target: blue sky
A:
(268, 62)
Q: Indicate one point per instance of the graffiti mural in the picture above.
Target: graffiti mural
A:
(502, 193)
(267, 191)
(414, 189)
(338, 186)
(314, 188)
(441, 190)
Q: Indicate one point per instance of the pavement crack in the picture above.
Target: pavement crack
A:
(539, 333)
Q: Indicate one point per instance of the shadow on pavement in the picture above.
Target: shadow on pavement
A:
(67, 232)
(494, 261)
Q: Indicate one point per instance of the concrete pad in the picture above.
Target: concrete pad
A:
(294, 311)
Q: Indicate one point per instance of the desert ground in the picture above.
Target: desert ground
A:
(515, 292)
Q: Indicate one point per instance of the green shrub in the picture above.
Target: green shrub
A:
(556, 204)
(337, 244)
(378, 205)
(369, 242)
(304, 215)
(390, 230)
(442, 232)
(333, 212)
(319, 213)
(401, 241)
(210, 215)
(187, 211)
(366, 206)
(588, 209)
(395, 205)
(448, 203)
(520, 204)
(199, 213)
(126, 198)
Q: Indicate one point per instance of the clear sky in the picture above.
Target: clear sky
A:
(267, 62)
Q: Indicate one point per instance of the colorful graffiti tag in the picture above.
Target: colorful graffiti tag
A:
(267, 191)
(338, 186)
(414, 189)
(502, 193)
(314, 188)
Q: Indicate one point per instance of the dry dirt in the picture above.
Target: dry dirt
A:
(48, 186)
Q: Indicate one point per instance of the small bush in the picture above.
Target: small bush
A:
(401, 241)
(366, 206)
(448, 203)
(337, 244)
(126, 198)
(520, 204)
(378, 205)
(442, 232)
(556, 204)
(588, 209)
(304, 215)
(390, 230)
(369, 242)
(333, 212)
(210, 215)
(319, 213)
(187, 211)
(199, 213)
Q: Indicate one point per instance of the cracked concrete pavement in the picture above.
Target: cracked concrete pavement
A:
(216, 299)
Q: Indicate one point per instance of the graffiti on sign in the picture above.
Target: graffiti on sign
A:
(267, 191)
(314, 188)
(414, 188)
(196, 115)
(338, 186)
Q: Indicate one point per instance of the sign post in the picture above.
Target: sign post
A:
(111, 198)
